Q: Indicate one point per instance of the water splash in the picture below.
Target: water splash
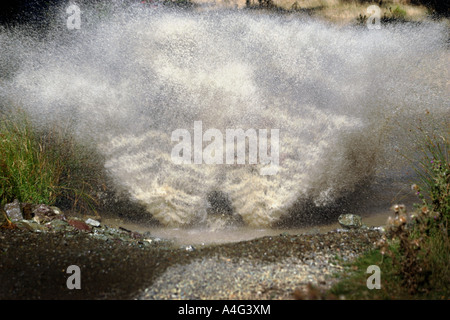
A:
(126, 81)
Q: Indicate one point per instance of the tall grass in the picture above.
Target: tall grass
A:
(433, 172)
(26, 173)
(432, 217)
(46, 166)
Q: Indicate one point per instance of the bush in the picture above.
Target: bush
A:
(433, 171)
(419, 245)
(415, 250)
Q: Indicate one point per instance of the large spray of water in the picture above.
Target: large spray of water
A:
(127, 81)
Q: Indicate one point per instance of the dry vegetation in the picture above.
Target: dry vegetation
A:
(336, 11)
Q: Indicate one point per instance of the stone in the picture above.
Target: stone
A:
(147, 242)
(79, 224)
(57, 225)
(14, 211)
(57, 211)
(92, 222)
(30, 225)
(44, 213)
(350, 221)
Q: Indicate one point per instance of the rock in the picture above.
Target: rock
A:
(41, 213)
(30, 225)
(146, 242)
(92, 222)
(350, 221)
(57, 225)
(14, 211)
(44, 213)
(79, 224)
(57, 211)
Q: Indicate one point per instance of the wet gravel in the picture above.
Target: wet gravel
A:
(221, 278)
(33, 266)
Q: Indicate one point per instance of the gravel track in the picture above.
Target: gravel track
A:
(265, 268)
(33, 266)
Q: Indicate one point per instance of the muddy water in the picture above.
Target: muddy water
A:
(205, 236)
(374, 207)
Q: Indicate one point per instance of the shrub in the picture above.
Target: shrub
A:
(419, 245)
(415, 250)
(433, 171)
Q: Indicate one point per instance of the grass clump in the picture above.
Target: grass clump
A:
(26, 173)
(46, 166)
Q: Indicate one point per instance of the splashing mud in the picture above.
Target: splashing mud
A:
(126, 81)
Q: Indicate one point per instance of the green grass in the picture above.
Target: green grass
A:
(25, 171)
(46, 166)
(353, 282)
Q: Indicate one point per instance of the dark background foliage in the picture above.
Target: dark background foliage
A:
(38, 11)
